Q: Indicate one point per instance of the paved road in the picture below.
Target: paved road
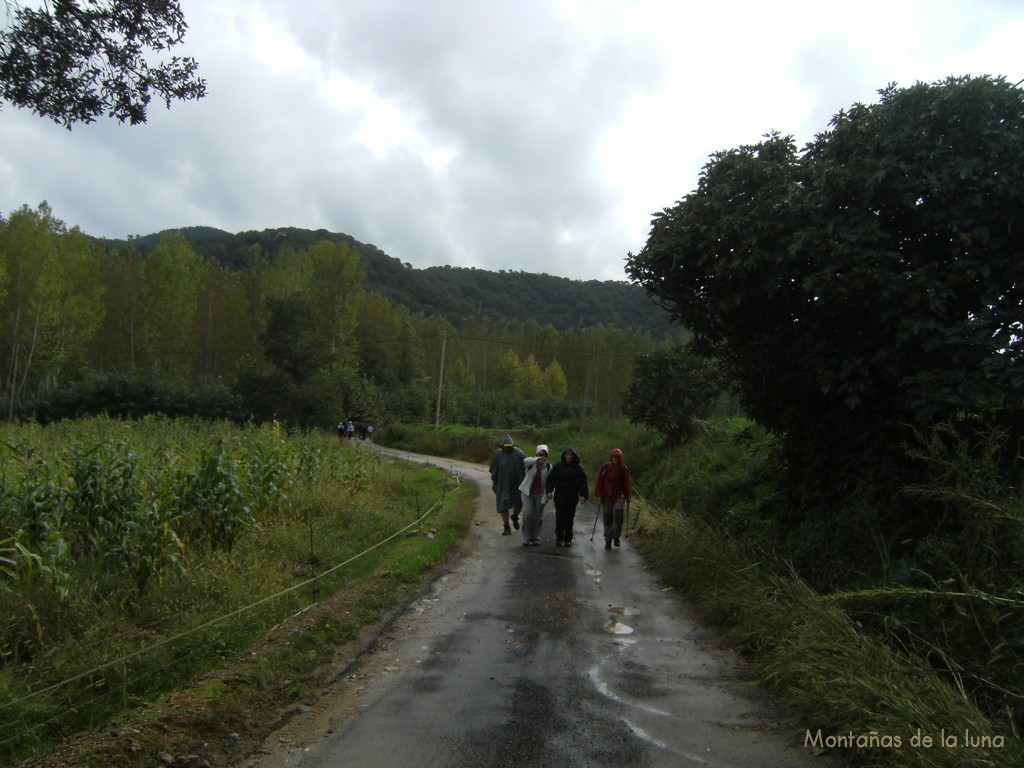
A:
(540, 656)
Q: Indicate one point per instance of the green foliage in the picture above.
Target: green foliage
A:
(51, 305)
(82, 60)
(468, 443)
(834, 676)
(867, 283)
(169, 291)
(181, 543)
(289, 329)
(211, 500)
(291, 340)
(956, 598)
(454, 293)
(950, 607)
(133, 397)
(672, 390)
(17, 561)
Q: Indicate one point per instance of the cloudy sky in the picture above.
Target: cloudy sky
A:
(535, 135)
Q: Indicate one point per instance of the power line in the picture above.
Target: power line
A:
(220, 619)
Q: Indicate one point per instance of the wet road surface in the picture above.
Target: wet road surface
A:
(540, 656)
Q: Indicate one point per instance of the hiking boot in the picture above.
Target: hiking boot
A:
(515, 521)
(558, 542)
(506, 531)
(566, 543)
(608, 544)
(618, 543)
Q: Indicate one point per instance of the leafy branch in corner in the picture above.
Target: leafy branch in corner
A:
(76, 60)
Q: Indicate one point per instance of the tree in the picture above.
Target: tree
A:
(291, 340)
(172, 277)
(336, 283)
(81, 59)
(75, 312)
(114, 347)
(28, 246)
(554, 382)
(870, 282)
(671, 390)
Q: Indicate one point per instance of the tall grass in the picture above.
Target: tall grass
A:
(837, 679)
(136, 557)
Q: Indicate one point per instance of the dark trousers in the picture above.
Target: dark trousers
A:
(613, 513)
(565, 513)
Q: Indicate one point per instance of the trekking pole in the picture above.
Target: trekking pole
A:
(595, 521)
(636, 520)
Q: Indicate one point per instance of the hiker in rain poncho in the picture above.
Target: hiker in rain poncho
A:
(507, 472)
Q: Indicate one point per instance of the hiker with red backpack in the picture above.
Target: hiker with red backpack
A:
(613, 489)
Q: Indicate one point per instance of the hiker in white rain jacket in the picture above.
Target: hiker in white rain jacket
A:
(535, 495)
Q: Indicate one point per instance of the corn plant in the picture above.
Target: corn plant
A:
(212, 503)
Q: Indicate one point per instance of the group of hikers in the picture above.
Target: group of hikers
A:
(524, 484)
(348, 428)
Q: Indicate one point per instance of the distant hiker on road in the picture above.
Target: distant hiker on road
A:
(614, 487)
(535, 495)
(507, 472)
(568, 483)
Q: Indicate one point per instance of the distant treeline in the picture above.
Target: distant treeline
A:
(455, 293)
(303, 327)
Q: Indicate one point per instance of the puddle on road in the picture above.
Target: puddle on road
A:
(620, 610)
(616, 627)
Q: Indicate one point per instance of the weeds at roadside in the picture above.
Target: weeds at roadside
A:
(839, 682)
(91, 654)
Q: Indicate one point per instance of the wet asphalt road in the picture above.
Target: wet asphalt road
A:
(541, 656)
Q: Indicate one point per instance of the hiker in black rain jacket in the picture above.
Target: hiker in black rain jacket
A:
(567, 481)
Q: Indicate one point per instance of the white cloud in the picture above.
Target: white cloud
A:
(532, 135)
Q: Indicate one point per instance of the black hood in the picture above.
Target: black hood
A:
(575, 457)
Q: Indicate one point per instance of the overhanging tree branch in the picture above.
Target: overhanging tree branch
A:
(76, 60)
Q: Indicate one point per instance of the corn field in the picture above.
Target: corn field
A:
(122, 540)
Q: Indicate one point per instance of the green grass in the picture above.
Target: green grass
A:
(835, 677)
(100, 650)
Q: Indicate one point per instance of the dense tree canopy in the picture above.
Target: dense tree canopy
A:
(90, 326)
(76, 60)
(871, 281)
(672, 390)
(456, 293)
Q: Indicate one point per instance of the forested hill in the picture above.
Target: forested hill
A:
(452, 292)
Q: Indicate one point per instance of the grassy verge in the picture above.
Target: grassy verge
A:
(852, 694)
(203, 660)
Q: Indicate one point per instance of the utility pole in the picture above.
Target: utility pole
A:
(440, 381)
